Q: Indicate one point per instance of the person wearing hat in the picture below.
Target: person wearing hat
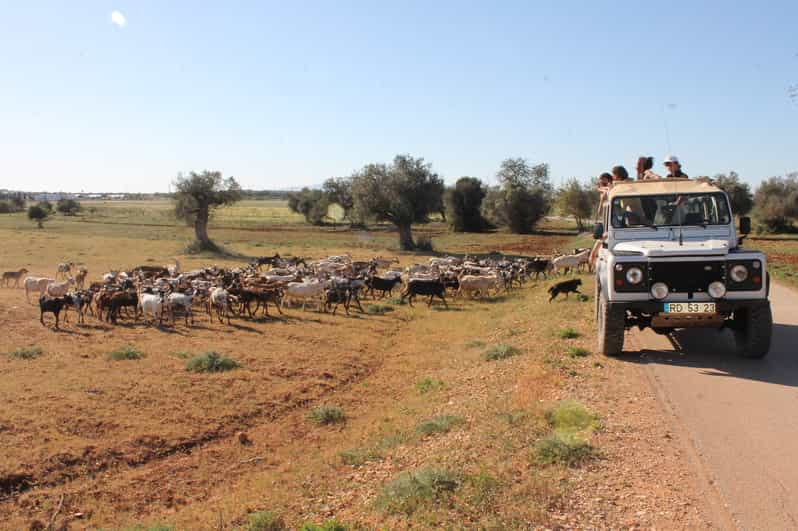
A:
(674, 168)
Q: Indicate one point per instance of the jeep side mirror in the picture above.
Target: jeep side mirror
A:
(745, 225)
(598, 231)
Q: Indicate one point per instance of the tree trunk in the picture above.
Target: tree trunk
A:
(201, 228)
(406, 242)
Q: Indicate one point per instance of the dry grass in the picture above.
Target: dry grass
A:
(108, 432)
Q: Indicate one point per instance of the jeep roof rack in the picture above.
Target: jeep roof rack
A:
(663, 186)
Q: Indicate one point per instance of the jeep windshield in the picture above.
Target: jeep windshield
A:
(670, 210)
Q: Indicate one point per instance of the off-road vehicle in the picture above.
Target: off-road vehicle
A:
(670, 258)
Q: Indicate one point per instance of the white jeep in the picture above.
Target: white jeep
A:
(670, 258)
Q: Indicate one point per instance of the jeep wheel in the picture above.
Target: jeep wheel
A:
(753, 328)
(610, 328)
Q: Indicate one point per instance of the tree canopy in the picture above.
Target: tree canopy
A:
(776, 202)
(463, 205)
(197, 195)
(39, 214)
(577, 200)
(404, 192)
(522, 198)
(739, 192)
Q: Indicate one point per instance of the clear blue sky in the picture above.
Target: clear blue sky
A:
(281, 95)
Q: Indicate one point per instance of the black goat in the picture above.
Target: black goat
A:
(53, 306)
(337, 296)
(383, 285)
(433, 288)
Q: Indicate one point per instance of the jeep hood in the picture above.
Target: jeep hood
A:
(652, 248)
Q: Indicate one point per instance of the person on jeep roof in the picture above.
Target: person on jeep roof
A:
(644, 171)
(674, 168)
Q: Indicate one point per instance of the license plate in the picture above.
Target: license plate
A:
(690, 307)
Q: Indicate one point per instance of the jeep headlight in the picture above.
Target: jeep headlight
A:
(634, 275)
(738, 273)
(659, 290)
(717, 289)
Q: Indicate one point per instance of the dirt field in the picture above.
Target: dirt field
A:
(95, 443)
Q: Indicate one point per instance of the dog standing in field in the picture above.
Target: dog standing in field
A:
(16, 276)
(566, 286)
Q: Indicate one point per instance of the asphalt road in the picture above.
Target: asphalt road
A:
(740, 415)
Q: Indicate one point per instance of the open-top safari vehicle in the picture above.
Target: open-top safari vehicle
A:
(670, 258)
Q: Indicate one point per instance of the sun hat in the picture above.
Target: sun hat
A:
(671, 159)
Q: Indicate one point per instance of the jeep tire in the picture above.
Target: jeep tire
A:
(752, 330)
(610, 327)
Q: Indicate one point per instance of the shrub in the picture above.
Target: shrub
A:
(68, 207)
(410, 490)
(475, 343)
(329, 525)
(211, 362)
(500, 352)
(571, 416)
(378, 309)
(38, 214)
(125, 353)
(326, 415)
(578, 352)
(439, 424)
(26, 353)
(358, 456)
(568, 333)
(264, 521)
(427, 385)
(776, 203)
(563, 448)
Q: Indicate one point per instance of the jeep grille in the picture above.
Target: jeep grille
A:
(690, 277)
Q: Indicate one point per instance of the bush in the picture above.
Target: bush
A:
(125, 353)
(439, 424)
(563, 448)
(500, 352)
(211, 362)
(776, 204)
(475, 343)
(38, 214)
(571, 416)
(26, 353)
(326, 415)
(410, 490)
(578, 352)
(358, 456)
(68, 207)
(264, 521)
(427, 385)
(329, 525)
(463, 203)
(568, 333)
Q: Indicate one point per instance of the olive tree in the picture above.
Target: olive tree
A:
(739, 192)
(463, 203)
(577, 200)
(197, 195)
(39, 214)
(522, 198)
(404, 192)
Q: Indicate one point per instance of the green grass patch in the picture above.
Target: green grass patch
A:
(428, 385)
(182, 354)
(410, 490)
(578, 352)
(475, 343)
(378, 309)
(563, 448)
(264, 521)
(125, 353)
(26, 353)
(359, 456)
(439, 424)
(571, 416)
(500, 352)
(395, 301)
(211, 362)
(326, 415)
(568, 333)
(482, 489)
(329, 525)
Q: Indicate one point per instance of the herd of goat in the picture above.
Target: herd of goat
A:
(155, 293)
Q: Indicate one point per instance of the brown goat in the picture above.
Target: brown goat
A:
(16, 276)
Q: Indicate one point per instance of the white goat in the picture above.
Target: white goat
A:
(220, 301)
(182, 301)
(477, 284)
(59, 289)
(36, 284)
(570, 261)
(150, 303)
(304, 291)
